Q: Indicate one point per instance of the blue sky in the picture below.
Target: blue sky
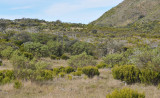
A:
(75, 11)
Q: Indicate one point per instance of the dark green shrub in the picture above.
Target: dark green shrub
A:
(125, 93)
(101, 65)
(61, 69)
(69, 69)
(64, 57)
(90, 71)
(149, 76)
(0, 62)
(28, 55)
(37, 49)
(53, 57)
(128, 73)
(17, 84)
(6, 76)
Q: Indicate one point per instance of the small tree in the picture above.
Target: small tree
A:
(81, 60)
(6, 53)
(114, 59)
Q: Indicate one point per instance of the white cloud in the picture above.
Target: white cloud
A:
(18, 1)
(68, 7)
(21, 8)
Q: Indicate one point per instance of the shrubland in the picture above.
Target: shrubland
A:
(132, 55)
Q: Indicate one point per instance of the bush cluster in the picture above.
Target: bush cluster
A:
(125, 93)
(132, 74)
(149, 76)
(6, 76)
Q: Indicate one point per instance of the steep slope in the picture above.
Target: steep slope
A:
(130, 11)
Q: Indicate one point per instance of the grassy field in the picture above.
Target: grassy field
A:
(78, 87)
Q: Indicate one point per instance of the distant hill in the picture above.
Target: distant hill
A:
(129, 12)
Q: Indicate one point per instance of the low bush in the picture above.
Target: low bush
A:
(60, 69)
(53, 57)
(90, 71)
(40, 65)
(44, 75)
(77, 73)
(28, 55)
(61, 74)
(25, 74)
(17, 84)
(101, 65)
(125, 93)
(128, 73)
(6, 76)
(64, 57)
(149, 76)
(69, 69)
(69, 77)
(58, 58)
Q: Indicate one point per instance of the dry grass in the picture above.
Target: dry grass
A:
(80, 87)
(6, 65)
(97, 87)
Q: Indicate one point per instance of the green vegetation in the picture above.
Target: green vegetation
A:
(6, 76)
(81, 60)
(128, 73)
(1, 62)
(132, 74)
(17, 84)
(101, 65)
(90, 71)
(114, 59)
(38, 51)
(125, 93)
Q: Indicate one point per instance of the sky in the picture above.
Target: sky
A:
(74, 11)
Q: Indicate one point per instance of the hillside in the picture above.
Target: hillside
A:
(130, 11)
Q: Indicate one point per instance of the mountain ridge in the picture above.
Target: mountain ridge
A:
(129, 12)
